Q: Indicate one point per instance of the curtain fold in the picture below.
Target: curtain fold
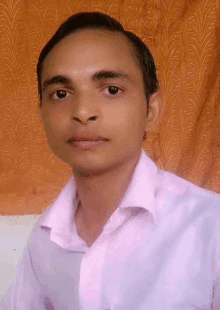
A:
(184, 37)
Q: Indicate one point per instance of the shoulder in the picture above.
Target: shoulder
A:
(183, 194)
(178, 185)
(40, 235)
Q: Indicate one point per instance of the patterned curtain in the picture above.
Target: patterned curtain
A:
(184, 37)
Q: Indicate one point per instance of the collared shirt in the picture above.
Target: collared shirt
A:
(160, 250)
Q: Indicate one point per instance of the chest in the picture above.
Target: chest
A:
(138, 266)
(141, 268)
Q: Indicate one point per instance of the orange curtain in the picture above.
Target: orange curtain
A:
(184, 38)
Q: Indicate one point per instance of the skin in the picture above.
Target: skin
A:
(102, 173)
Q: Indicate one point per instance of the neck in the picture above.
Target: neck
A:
(101, 194)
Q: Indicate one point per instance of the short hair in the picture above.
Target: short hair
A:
(98, 20)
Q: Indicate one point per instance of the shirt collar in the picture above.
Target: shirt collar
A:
(141, 191)
(140, 194)
(61, 213)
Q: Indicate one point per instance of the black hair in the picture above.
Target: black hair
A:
(100, 20)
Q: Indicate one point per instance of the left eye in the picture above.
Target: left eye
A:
(113, 90)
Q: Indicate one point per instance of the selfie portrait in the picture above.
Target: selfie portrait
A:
(110, 155)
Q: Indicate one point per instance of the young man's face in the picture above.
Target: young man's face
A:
(93, 101)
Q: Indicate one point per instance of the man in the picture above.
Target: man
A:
(121, 234)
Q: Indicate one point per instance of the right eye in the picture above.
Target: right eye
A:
(59, 94)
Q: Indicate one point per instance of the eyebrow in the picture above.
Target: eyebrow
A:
(57, 79)
(97, 76)
(109, 74)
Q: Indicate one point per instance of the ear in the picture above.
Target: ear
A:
(156, 106)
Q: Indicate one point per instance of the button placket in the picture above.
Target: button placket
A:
(90, 289)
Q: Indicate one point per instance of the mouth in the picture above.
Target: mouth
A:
(86, 141)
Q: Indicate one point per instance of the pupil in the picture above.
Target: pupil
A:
(113, 90)
(61, 93)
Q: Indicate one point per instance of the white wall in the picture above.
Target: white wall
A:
(14, 231)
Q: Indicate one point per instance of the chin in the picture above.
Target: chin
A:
(89, 171)
(93, 167)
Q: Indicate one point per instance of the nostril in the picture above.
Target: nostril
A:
(92, 118)
(77, 119)
(84, 119)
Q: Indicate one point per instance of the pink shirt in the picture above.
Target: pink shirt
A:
(159, 250)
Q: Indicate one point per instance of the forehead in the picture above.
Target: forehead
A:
(88, 48)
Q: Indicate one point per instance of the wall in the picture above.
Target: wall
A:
(14, 232)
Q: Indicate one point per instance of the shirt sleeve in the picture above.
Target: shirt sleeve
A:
(26, 292)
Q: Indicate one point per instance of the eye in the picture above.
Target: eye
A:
(59, 94)
(113, 90)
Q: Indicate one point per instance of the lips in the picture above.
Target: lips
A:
(86, 137)
(86, 141)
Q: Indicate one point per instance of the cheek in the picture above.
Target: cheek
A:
(135, 116)
(56, 116)
(54, 126)
(56, 121)
(137, 123)
(127, 123)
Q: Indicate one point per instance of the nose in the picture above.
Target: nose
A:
(86, 110)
